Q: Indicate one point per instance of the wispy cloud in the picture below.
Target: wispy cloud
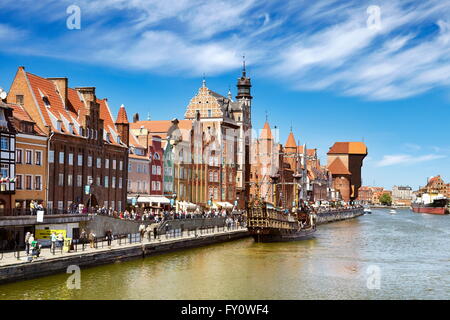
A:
(312, 45)
(406, 159)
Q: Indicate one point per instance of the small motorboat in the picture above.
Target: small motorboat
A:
(392, 211)
(367, 210)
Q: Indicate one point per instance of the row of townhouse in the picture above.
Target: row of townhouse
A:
(200, 161)
(60, 147)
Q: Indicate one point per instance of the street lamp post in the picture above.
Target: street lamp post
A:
(90, 182)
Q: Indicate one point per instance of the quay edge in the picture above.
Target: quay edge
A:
(29, 270)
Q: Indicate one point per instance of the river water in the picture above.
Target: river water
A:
(376, 256)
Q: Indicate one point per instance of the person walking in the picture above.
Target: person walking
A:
(91, 239)
(27, 244)
(60, 240)
(53, 239)
(109, 237)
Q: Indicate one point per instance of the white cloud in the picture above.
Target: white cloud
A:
(406, 159)
(312, 45)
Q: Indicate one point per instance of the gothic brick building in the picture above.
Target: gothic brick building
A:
(345, 160)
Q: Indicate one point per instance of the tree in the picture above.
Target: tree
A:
(386, 199)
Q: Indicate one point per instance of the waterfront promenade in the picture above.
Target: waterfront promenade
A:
(129, 247)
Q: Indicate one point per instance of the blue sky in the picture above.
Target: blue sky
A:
(334, 70)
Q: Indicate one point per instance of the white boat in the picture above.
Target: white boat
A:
(367, 210)
(392, 211)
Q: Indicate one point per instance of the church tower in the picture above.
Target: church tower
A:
(244, 120)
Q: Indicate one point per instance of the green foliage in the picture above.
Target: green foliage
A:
(386, 199)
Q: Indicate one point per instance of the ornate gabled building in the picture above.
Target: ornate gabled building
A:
(345, 160)
(231, 120)
(219, 118)
(88, 151)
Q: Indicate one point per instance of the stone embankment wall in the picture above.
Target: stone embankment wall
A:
(27, 270)
(326, 217)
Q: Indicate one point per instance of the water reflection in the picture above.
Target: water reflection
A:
(411, 250)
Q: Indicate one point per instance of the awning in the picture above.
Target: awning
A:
(187, 205)
(153, 199)
(225, 205)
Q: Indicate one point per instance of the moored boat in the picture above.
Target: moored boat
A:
(432, 204)
(269, 224)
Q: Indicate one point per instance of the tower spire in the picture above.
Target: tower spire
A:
(204, 81)
(244, 72)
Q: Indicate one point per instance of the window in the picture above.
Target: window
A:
(61, 157)
(5, 170)
(79, 181)
(80, 160)
(99, 181)
(120, 183)
(156, 156)
(38, 158)
(216, 176)
(28, 182)
(120, 166)
(119, 205)
(51, 156)
(107, 163)
(99, 163)
(153, 169)
(61, 179)
(158, 170)
(19, 181)
(69, 180)
(153, 185)
(70, 159)
(28, 156)
(37, 182)
(209, 113)
(46, 102)
(211, 176)
(138, 186)
(19, 155)
(89, 161)
(114, 164)
(4, 143)
(113, 182)
(129, 167)
(60, 205)
(50, 205)
(216, 194)
(19, 99)
(158, 185)
(106, 181)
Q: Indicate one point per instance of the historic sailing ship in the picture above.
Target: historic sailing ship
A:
(267, 223)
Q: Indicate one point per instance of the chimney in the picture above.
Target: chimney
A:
(88, 94)
(136, 117)
(61, 85)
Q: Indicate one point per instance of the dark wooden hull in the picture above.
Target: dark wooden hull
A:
(278, 235)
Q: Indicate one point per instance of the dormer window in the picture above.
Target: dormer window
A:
(71, 128)
(46, 101)
(58, 125)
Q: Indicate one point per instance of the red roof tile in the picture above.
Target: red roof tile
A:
(122, 115)
(338, 167)
(266, 133)
(290, 142)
